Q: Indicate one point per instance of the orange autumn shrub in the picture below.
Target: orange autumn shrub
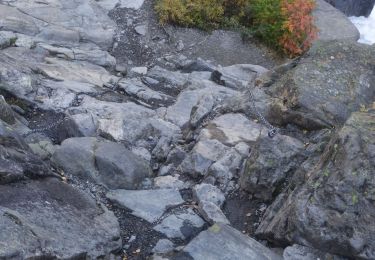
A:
(299, 29)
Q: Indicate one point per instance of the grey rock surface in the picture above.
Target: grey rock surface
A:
(336, 194)
(107, 163)
(48, 218)
(147, 204)
(221, 242)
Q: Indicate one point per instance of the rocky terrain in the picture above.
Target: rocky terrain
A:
(122, 139)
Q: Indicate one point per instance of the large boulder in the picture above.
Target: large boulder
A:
(331, 81)
(103, 162)
(353, 7)
(334, 209)
(333, 24)
(50, 220)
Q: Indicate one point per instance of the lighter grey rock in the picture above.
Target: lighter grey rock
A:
(221, 242)
(208, 192)
(139, 71)
(231, 129)
(163, 246)
(169, 182)
(141, 30)
(103, 162)
(203, 155)
(181, 225)
(147, 204)
(212, 213)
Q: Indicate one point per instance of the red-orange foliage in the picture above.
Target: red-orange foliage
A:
(299, 27)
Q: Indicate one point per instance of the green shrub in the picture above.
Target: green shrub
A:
(282, 24)
(204, 14)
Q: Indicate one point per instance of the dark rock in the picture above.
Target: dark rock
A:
(334, 209)
(331, 81)
(17, 161)
(270, 163)
(107, 163)
(353, 7)
(51, 220)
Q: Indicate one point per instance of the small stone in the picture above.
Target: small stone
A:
(141, 29)
(138, 71)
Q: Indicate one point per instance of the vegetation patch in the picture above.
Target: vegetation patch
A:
(286, 25)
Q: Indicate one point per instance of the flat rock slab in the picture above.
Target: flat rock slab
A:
(183, 224)
(147, 204)
(49, 219)
(222, 242)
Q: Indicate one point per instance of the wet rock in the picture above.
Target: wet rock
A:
(353, 7)
(298, 252)
(338, 192)
(212, 213)
(224, 242)
(103, 162)
(48, 218)
(147, 204)
(183, 224)
(335, 79)
(333, 24)
(208, 192)
(271, 162)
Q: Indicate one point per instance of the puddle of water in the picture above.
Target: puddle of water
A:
(366, 27)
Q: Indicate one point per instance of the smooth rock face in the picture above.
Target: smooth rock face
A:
(103, 162)
(221, 242)
(335, 79)
(334, 209)
(332, 24)
(353, 7)
(49, 219)
(147, 204)
(183, 224)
